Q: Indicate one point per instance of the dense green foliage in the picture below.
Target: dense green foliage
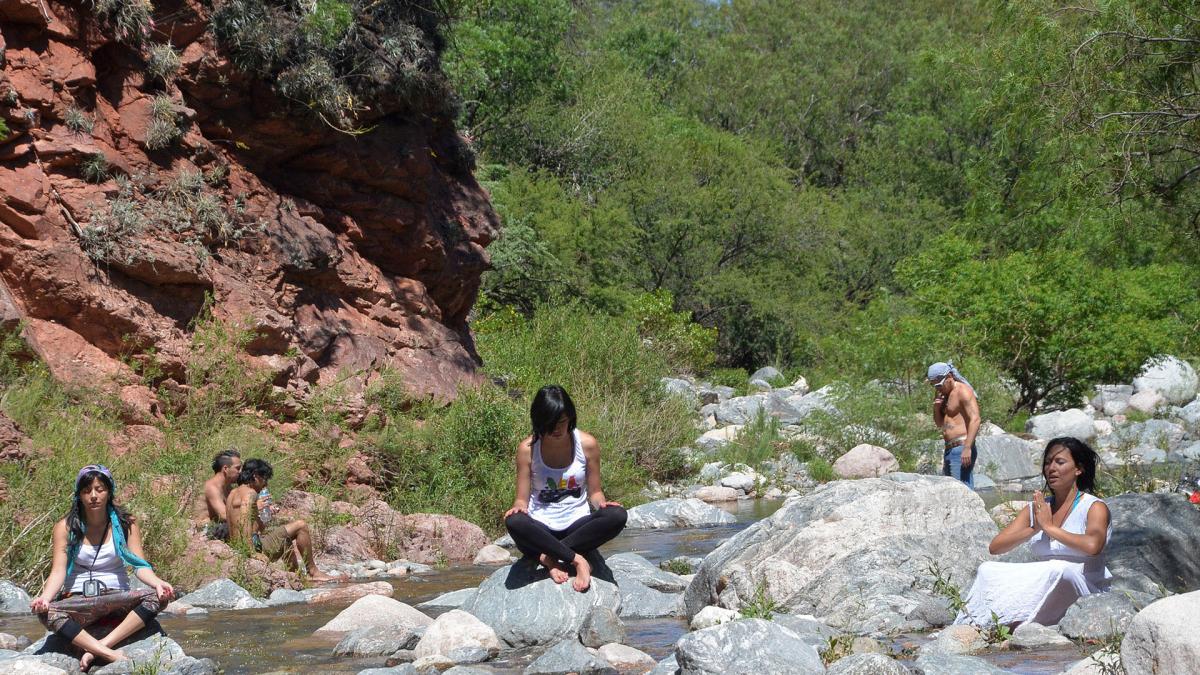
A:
(851, 187)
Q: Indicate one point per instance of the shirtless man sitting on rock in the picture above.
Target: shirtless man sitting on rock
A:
(956, 413)
(226, 466)
(250, 524)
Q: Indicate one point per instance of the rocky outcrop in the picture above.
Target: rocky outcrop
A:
(132, 194)
(854, 553)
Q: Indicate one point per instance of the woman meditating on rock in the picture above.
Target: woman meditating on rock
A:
(88, 585)
(1067, 533)
(558, 484)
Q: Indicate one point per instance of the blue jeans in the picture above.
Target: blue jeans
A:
(952, 465)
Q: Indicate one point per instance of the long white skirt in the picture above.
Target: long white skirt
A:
(1022, 592)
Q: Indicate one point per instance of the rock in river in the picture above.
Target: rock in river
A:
(853, 553)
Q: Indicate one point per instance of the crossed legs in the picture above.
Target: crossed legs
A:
(560, 549)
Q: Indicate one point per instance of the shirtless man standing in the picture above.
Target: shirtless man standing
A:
(250, 523)
(956, 413)
(226, 466)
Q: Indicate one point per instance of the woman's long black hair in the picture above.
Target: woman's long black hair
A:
(1081, 453)
(75, 525)
(549, 405)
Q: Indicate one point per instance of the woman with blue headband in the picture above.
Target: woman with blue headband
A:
(88, 585)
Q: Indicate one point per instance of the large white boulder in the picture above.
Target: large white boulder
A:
(456, 629)
(1073, 422)
(675, 512)
(1162, 638)
(865, 461)
(1173, 378)
(375, 610)
(853, 553)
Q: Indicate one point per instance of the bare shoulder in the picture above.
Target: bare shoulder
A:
(589, 443)
(525, 447)
(1098, 509)
(60, 528)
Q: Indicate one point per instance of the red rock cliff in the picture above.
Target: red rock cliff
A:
(344, 253)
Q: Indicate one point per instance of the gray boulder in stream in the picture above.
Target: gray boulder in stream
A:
(568, 657)
(526, 608)
(1154, 542)
(1005, 457)
(676, 512)
(13, 599)
(649, 574)
(222, 594)
(746, 646)
(158, 654)
(950, 664)
(1102, 614)
(853, 553)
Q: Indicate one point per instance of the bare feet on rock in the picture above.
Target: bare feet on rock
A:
(583, 574)
(88, 658)
(557, 572)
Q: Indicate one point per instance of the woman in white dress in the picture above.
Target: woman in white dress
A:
(1067, 532)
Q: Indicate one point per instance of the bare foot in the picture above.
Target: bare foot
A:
(88, 658)
(583, 574)
(557, 572)
(321, 578)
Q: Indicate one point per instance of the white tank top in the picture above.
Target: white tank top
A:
(1046, 548)
(559, 496)
(109, 568)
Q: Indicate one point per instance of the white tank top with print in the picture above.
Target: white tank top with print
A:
(108, 568)
(558, 496)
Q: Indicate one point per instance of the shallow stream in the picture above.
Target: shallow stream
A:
(280, 639)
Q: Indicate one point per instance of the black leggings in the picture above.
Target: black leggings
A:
(582, 536)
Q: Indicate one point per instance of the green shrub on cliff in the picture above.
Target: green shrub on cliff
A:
(341, 59)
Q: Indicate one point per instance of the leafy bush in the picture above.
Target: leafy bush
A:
(685, 345)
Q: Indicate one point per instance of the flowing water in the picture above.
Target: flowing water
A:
(280, 639)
